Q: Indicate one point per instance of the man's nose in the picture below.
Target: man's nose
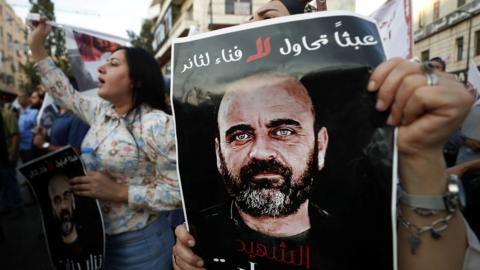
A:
(262, 149)
(64, 204)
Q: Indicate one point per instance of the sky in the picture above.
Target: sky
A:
(114, 17)
(367, 7)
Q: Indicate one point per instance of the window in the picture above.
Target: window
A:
(459, 46)
(421, 19)
(461, 3)
(436, 9)
(10, 80)
(238, 7)
(159, 35)
(477, 42)
(17, 47)
(425, 55)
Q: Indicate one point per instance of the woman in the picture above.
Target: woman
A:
(132, 139)
(425, 114)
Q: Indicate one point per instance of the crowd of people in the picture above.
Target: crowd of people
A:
(135, 177)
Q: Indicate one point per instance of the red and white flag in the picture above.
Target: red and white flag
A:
(87, 51)
(394, 19)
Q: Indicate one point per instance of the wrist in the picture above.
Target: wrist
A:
(39, 54)
(424, 173)
(122, 194)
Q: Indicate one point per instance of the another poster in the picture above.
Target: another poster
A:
(284, 161)
(72, 224)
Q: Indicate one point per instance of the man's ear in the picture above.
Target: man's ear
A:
(217, 154)
(322, 143)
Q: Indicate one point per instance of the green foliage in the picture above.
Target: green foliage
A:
(145, 39)
(32, 77)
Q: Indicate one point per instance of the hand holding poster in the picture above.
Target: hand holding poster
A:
(283, 160)
(73, 225)
(87, 51)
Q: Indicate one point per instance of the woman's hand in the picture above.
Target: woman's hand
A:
(39, 137)
(99, 186)
(36, 39)
(426, 115)
(183, 256)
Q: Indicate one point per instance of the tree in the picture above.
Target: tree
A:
(32, 77)
(145, 39)
(55, 45)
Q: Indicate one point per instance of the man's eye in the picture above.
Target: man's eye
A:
(283, 132)
(68, 194)
(241, 137)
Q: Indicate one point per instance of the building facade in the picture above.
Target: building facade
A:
(177, 18)
(13, 50)
(449, 29)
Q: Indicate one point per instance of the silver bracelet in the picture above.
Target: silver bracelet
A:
(424, 212)
(435, 229)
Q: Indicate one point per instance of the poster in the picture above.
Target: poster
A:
(284, 162)
(394, 19)
(72, 224)
(87, 51)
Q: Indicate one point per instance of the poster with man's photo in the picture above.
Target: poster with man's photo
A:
(283, 160)
(72, 224)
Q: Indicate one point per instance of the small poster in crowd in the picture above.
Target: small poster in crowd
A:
(283, 160)
(72, 224)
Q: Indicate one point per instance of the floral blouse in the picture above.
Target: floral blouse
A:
(137, 149)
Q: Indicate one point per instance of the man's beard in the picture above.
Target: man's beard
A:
(265, 198)
(66, 222)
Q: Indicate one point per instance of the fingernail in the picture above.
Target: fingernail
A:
(371, 86)
(191, 243)
(380, 105)
(390, 120)
(200, 263)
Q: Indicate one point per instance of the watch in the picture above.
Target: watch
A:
(451, 201)
(45, 145)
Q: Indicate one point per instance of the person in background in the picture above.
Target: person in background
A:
(26, 124)
(133, 142)
(439, 64)
(10, 198)
(36, 99)
(67, 129)
(425, 116)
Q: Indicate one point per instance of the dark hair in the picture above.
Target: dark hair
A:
(295, 6)
(147, 78)
(441, 61)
